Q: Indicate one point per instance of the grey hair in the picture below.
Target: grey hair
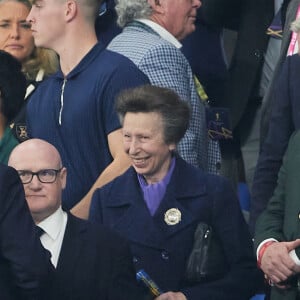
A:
(295, 26)
(129, 10)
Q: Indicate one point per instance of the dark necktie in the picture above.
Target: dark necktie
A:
(40, 231)
(275, 29)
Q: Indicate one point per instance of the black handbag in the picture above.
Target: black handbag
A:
(207, 260)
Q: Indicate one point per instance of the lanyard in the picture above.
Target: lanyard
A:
(200, 90)
(293, 47)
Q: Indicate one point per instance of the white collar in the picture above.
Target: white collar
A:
(40, 75)
(31, 87)
(165, 34)
(53, 224)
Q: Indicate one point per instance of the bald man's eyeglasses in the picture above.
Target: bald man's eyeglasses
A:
(44, 176)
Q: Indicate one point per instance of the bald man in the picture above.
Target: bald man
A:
(91, 262)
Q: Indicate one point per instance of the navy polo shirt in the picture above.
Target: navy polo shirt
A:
(76, 113)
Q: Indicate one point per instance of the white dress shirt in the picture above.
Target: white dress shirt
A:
(54, 227)
(165, 34)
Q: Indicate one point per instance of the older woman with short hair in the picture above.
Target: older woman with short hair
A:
(158, 203)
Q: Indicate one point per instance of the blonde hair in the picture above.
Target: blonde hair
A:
(40, 58)
(295, 26)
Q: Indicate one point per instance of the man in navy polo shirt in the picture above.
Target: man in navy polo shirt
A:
(74, 109)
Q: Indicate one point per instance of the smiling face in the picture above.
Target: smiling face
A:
(176, 16)
(34, 155)
(15, 34)
(144, 143)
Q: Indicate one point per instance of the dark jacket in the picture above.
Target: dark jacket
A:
(275, 100)
(289, 12)
(250, 18)
(280, 220)
(94, 264)
(24, 264)
(162, 250)
(285, 119)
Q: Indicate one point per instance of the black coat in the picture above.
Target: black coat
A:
(162, 250)
(285, 119)
(250, 18)
(24, 263)
(94, 264)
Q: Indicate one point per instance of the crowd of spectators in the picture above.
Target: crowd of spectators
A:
(131, 122)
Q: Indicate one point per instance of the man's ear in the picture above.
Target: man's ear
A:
(63, 177)
(71, 10)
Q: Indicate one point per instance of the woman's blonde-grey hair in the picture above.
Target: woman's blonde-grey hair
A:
(295, 26)
(40, 58)
(129, 10)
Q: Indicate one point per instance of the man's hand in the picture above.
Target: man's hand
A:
(277, 264)
(171, 296)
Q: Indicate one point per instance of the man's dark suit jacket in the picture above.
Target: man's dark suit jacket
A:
(289, 12)
(270, 159)
(94, 264)
(285, 119)
(250, 18)
(24, 263)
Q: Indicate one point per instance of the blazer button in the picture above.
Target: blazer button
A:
(135, 260)
(165, 255)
